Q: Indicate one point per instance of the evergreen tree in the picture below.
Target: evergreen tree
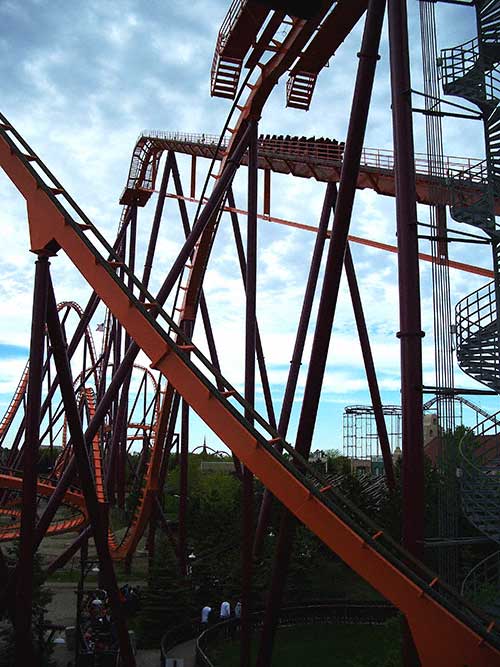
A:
(41, 598)
(166, 605)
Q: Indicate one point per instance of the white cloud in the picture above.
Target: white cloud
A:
(81, 84)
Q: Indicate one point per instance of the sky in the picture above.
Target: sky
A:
(81, 81)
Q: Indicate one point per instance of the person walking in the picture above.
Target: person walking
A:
(225, 615)
(225, 611)
(205, 615)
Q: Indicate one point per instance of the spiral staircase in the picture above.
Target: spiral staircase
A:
(470, 71)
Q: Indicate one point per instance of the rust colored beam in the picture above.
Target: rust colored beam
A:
(98, 522)
(250, 340)
(371, 375)
(460, 266)
(266, 388)
(410, 333)
(333, 31)
(298, 350)
(267, 192)
(193, 176)
(368, 57)
(24, 649)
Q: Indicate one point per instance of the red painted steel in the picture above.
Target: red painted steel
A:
(460, 266)
(237, 34)
(439, 633)
(440, 630)
(320, 159)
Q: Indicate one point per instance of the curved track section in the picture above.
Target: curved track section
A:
(73, 500)
(445, 629)
(15, 402)
(307, 157)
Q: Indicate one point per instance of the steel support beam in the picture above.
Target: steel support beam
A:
(97, 521)
(250, 339)
(371, 375)
(266, 389)
(298, 349)
(24, 649)
(333, 270)
(410, 333)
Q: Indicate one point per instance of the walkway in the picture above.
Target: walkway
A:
(185, 651)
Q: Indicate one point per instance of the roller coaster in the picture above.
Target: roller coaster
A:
(94, 406)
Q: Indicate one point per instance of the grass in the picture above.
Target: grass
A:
(316, 646)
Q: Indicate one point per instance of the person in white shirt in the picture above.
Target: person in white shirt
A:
(205, 613)
(225, 611)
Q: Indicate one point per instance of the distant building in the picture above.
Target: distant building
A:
(431, 427)
(226, 467)
(318, 456)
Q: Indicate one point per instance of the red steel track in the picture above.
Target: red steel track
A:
(298, 156)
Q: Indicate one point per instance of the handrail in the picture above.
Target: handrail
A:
(461, 61)
(478, 308)
(377, 158)
(342, 612)
(234, 11)
(482, 569)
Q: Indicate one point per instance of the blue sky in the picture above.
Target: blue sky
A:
(81, 80)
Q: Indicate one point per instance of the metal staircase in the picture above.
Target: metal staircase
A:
(480, 487)
(477, 336)
(471, 71)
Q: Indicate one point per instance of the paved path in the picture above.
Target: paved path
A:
(187, 651)
(144, 658)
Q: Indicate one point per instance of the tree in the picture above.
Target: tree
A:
(41, 598)
(167, 603)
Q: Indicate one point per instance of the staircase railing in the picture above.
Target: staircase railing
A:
(473, 314)
(227, 25)
(479, 481)
(482, 583)
(472, 205)
(465, 61)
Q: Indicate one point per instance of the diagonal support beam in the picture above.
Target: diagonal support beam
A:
(368, 56)
(298, 349)
(97, 520)
(24, 649)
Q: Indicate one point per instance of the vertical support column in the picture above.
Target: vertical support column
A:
(155, 227)
(24, 649)
(368, 56)
(267, 192)
(250, 338)
(266, 388)
(122, 425)
(193, 177)
(410, 333)
(184, 461)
